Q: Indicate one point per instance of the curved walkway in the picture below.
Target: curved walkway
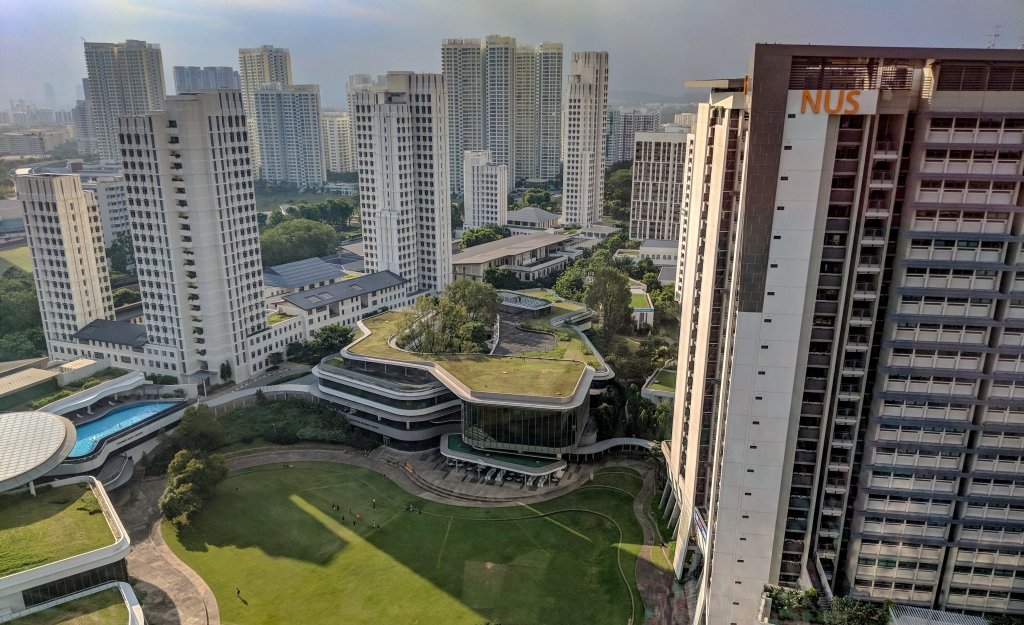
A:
(176, 595)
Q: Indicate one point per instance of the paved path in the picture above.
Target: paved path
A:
(175, 595)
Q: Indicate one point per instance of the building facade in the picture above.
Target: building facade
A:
(258, 67)
(401, 139)
(111, 193)
(622, 129)
(486, 190)
(188, 79)
(336, 136)
(193, 220)
(846, 409)
(505, 97)
(660, 180)
(586, 112)
(124, 79)
(69, 264)
(291, 148)
(82, 122)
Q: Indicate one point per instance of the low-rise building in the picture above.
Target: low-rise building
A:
(34, 140)
(529, 256)
(532, 218)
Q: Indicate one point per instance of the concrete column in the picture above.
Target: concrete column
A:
(664, 494)
(672, 520)
(671, 501)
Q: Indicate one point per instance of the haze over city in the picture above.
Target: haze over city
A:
(654, 45)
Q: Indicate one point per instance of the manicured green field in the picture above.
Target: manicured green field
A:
(271, 534)
(17, 256)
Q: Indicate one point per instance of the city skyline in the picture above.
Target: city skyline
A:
(330, 41)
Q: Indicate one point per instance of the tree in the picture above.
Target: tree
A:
(849, 611)
(125, 296)
(503, 278)
(479, 298)
(608, 294)
(571, 283)
(121, 253)
(483, 234)
(617, 190)
(329, 339)
(296, 239)
(536, 197)
(192, 477)
(458, 211)
(225, 371)
(199, 429)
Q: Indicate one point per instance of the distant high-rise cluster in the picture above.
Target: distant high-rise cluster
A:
(258, 67)
(336, 132)
(662, 168)
(124, 79)
(401, 142)
(191, 79)
(504, 97)
(291, 150)
(622, 129)
(586, 114)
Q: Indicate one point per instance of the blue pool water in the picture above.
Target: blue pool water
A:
(114, 421)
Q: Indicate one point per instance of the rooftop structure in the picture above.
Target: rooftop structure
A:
(31, 445)
(529, 255)
(346, 289)
(116, 332)
(302, 274)
(532, 217)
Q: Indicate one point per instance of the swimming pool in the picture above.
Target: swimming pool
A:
(91, 433)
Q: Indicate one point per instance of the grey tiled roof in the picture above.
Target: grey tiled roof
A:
(346, 289)
(117, 332)
(301, 273)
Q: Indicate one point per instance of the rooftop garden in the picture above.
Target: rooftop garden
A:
(568, 344)
(277, 317)
(106, 607)
(639, 300)
(29, 527)
(665, 381)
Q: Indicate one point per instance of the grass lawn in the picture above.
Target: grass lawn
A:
(277, 317)
(271, 533)
(639, 300)
(523, 374)
(57, 523)
(17, 256)
(664, 381)
(103, 608)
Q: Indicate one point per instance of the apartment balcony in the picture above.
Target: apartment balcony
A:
(815, 384)
(177, 178)
(814, 409)
(842, 442)
(803, 479)
(877, 209)
(882, 180)
(861, 317)
(826, 308)
(853, 368)
(837, 224)
(833, 252)
(850, 392)
(856, 343)
(869, 264)
(822, 334)
(873, 237)
(808, 433)
(835, 487)
(886, 149)
(829, 530)
(826, 553)
(864, 291)
(793, 546)
(841, 465)
(819, 359)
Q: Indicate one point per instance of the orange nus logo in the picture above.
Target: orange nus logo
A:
(836, 102)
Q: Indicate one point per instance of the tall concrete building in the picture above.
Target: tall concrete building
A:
(258, 67)
(401, 139)
(660, 193)
(622, 129)
(124, 79)
(848, 407)
(486, 183)
(69, 264)
(111, 193)
(505, 97)
(585, 113)
(336, 136)
(189, 79)
(82, 122)
(193, 223)
(291, 148)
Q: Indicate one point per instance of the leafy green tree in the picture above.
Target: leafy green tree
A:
(225, 371)
(125, 296)
(608, 295)
(503, 278)
(458, 211)
(483, 234)
(849, 611)
(536, 197)
(1005, 619)
(19, 308)
(479, 298)
(199, 430)
(18, 346)
(121, 253)
(571, 283)
(296, 239)
(192, 477)
(617, 190)
(180, 504)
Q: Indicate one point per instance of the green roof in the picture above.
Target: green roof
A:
(57, 523)
(106, 607)
(639, 300)
(543, 374)
(664, 381)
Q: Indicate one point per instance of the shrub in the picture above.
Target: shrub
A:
(49, 399)
(322, 434)
(192, 477)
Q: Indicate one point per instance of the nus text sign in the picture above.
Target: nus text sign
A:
(833, 101)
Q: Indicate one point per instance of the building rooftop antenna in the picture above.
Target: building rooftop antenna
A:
(995, 35)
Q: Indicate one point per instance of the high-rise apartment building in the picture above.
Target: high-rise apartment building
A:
(69, 264)
(291, 148)
(189, 79)
(622, 129)
(111, 193)
(505, 97)
(686, 120)
(336, 136)
(82, 122)
(193, 220)
(124, 79)
(585, 113)
(849, 401)
(486, 197)
(661, 172)
(258, 67)
(401, 139)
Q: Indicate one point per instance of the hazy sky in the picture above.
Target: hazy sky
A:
(654, 44)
